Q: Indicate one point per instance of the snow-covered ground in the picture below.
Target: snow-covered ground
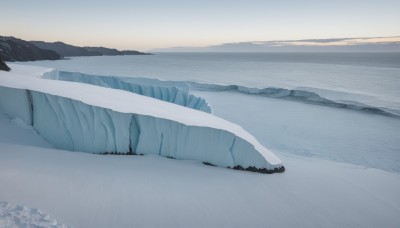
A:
(322, 187)
(87, 190)
(21, 216)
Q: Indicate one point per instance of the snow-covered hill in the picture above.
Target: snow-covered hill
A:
(90, 190)
(87, 190)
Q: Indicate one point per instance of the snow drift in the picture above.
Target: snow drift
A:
(22, 216)
(82, 117)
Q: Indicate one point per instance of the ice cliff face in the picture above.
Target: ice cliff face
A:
(174, 92)
(124, 122)
(82, 127)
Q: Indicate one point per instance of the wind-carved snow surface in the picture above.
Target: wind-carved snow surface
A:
(82, 117)
(174, 92)
(21, 216)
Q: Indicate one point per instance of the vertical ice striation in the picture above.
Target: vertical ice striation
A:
(171, 139)
(174, 92)
(15, 103)
(72, 125)
(87, 118)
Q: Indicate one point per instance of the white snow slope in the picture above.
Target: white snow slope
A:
(83, 117)
(88, 190)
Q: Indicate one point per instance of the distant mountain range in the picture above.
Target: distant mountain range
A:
(365, 44)
(14, 49)
(109, 51)
(64, 49)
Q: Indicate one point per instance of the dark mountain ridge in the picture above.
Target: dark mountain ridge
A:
(64, 49)
(104, 51)
(14, 49)
(112, 51)
(68, 50)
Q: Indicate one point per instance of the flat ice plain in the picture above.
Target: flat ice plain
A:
(322, 186)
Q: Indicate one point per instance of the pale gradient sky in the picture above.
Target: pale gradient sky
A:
(147, 24)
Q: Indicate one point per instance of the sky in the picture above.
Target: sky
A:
(146, 24)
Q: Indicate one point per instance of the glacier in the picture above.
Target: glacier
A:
(170, 91)
(87, 118)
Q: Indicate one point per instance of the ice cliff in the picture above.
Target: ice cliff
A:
(174, 92)
(82, 117)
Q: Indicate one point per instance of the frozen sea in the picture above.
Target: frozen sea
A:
(364, 79)
(291, 125)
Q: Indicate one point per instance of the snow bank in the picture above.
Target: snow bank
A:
(83, 117)
(174, 92)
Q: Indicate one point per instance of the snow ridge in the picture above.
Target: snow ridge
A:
(174, 92)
